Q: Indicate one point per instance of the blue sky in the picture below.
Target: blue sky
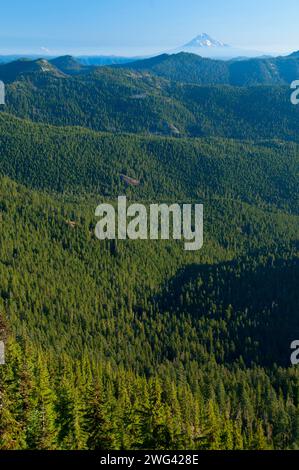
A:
(135, 27)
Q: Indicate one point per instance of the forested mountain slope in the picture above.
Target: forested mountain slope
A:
(191, 68)
(74, 159)
(181, 67)
(142, 345)
(120, 100)
(103, 330)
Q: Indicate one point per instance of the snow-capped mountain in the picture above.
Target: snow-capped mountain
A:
(206, 46)
(204, 40)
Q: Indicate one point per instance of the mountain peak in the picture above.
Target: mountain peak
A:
(65, 60)
(11, 71)
(204, 40)
(68, 65)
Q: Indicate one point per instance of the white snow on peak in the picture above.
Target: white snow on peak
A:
(204, 40)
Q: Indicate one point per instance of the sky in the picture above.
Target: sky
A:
(143, 27)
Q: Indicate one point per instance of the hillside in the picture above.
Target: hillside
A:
(73, 159)
(182, 67)
(24, 67)
(122, 345)
(65, 296)
(69, 65)
(191, 68)
(119, 100)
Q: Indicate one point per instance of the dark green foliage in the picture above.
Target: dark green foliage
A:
(70, 160)
(25, 67)
(219, 410)
(191, 68)
(184, 67)
(120, 100)
(95, 315)
(141, 345)
(68, 65)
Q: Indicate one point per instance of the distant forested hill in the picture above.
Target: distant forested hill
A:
(191, 68)
(120, 100)
(181, 67)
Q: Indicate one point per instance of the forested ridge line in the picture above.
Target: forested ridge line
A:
(119, 101)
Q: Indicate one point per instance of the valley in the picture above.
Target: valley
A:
(120, 345)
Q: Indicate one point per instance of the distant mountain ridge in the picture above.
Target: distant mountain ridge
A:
(122, 100)
(83, 60)
(183, 67)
